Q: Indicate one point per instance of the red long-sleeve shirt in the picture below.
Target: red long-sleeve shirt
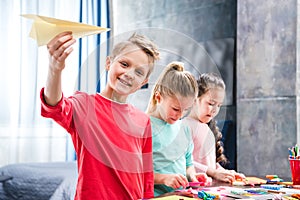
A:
(113, 143)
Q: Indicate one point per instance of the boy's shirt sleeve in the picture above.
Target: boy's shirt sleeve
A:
(61, 113)
(148, 161)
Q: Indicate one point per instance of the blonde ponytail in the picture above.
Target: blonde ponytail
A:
(174, 80)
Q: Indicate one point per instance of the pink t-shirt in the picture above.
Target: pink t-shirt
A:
(113, 143)
(204, 153)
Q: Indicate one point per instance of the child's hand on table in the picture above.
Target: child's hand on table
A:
(202, 177)
(224, 175)
(239, 176)
(176, 181)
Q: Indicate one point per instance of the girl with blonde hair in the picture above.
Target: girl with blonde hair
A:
(172, 98)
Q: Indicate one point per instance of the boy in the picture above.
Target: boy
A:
(112, 139)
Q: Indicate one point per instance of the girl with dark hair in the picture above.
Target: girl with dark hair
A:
(208, 147)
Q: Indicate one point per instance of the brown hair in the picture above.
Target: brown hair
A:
(206, 82)
(174, 80)
(143, 43)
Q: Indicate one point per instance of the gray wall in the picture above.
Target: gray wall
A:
(267, 80)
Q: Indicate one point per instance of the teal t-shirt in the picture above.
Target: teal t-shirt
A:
(172, 150)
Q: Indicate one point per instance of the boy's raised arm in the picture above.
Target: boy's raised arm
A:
(59, 49)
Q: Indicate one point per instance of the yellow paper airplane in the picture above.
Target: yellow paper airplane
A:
(45, 28)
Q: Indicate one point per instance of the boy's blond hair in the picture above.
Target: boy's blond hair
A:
(143, 43)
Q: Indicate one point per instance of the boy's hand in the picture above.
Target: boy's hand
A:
(59, 49)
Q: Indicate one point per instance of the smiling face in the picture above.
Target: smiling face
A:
(127, 73)
(208, 105)
(170, 109)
